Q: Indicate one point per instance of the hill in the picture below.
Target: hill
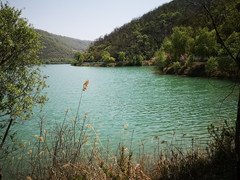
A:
(60, 49)
(177, 35)
(144, 35)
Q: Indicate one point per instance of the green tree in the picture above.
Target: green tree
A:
(211, 65)
(138, 60)
(205, 44)
(182, 41)
(107, 58)
(122, 56)
(91, 58)
(161, 59)
(226, 63)
(21, 82)
(224, 17)
(79, 57)
(167, 45)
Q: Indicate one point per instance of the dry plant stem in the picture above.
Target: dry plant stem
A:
(130, 156)
(92, 154)
(59, 140)
(104, 149)
(39, 148)
(61, 130)
(79, 104)
(75, 122)
(81, 137)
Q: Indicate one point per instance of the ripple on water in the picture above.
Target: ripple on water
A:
(151, 104)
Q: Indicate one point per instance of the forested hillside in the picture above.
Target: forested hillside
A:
(180, 35)
(142, 36)
(60, 49)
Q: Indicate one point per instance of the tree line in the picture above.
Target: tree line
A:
(176, 34)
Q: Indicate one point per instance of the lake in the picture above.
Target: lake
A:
(137, 98)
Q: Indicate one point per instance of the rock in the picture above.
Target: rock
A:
(182, 70)
(169, 70)
(196, 70)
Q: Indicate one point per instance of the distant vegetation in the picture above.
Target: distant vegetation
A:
(140, 38)
(60, 49)
(176, 36)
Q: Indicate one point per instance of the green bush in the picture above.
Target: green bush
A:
(139, 60)
(189, 61)
(176, 65)
(211, 65)
(161, 59)
(106, 57)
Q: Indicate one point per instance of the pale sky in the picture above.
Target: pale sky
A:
(82, 19)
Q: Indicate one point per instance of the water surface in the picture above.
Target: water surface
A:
(150, 104)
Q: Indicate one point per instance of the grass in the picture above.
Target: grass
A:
(74, 151)
(56, 155)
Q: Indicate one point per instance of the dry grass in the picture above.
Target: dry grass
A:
(56, 155)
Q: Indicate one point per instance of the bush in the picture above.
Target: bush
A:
(122, 56)
(161, 60)
(211, 66)
(176, 65)
(106, 57)
(139, 60)
(189, 61)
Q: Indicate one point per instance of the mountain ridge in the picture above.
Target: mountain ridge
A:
(60, 49)
(143, 35)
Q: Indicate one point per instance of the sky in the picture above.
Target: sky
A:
(82, 19)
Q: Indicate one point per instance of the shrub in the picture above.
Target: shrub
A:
(189, 61)
(106, 57)
(139, 60)
(161, 60)
(176, 65)
(211, 66)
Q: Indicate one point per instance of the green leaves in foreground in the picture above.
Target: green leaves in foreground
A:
(20, 80)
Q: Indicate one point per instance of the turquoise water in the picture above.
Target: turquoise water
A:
(149, 103)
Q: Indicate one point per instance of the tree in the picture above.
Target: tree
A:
(167, 45)
(122, 56)
(79, 57)
(91, 58)
(182, 41)
(138, 60)
(205, 44)
(21, 82)
(226, 63)
(224, 17)
(106, 58)
(211, 65)
(161, 59)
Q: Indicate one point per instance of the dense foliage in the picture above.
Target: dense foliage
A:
(20, 80)
(79, 58)
(141, 38)
(215, 42)
(60, 49)
(182, 31)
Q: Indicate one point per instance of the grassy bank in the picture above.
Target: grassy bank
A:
(74, 151)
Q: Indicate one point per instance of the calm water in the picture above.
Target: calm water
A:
(150, 104)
